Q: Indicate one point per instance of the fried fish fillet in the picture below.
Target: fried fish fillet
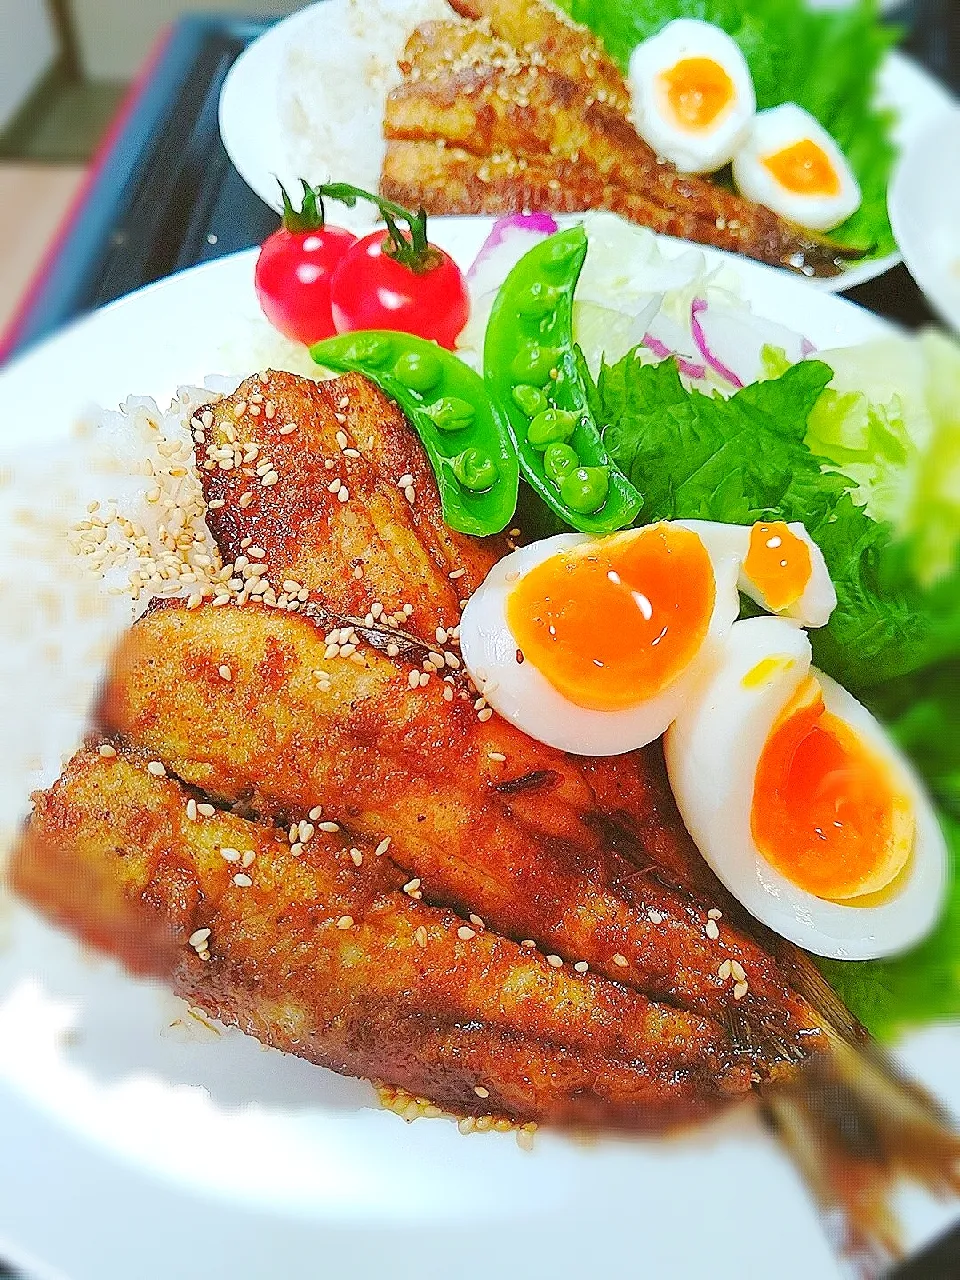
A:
(489, 821)
(337, 521)
(334, 962)
(543, 137)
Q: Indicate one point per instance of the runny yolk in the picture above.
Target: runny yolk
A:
(778, 563)
(698, 90)
(804, 168)
(613, 623)
(826, 811)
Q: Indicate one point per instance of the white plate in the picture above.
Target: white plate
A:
(130, 1148)
(254, 136)
(924, 203)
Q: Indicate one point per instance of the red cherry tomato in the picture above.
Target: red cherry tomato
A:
(371, 290)
(293, 277)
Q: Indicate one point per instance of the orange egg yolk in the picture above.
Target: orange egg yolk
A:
(826, 811)
(698, 90)
(804, 168)
(613, 623)
(778, 563)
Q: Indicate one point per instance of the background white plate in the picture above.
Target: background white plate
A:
(924, 203)
(130, 1147)
(253, 133)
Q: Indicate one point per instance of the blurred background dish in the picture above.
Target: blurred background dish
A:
(924, 203)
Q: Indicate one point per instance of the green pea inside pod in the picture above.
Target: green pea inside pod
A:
(475, 470)
(418, 370)
(534, 362)
(368, 348)
(552, 426)
(529, 400)
(538, 300)
(558, 461)
(585, 489)
(450, 413)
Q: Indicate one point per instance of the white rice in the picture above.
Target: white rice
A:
(332, 88)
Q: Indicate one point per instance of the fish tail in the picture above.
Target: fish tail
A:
(856, 1129)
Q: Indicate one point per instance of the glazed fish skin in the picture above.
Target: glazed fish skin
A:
(519, 842)
(359, 542)
(525, 112)
(335, 963)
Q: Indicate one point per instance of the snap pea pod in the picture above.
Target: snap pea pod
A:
(531, 368)
(463, 430)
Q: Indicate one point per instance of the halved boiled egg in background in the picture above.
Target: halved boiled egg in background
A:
(593, 645)
(693, 96)
(802, 804)
(781, 567)
(789, 163)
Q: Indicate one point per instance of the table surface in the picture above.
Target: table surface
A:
(163, 196)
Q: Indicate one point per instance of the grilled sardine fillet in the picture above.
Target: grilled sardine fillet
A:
(489, 821)
(334, 962)
(308, 474)
(521, 116)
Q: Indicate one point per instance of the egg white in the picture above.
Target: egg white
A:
(819, 597)
(524, 696)
(773, 130)
(712, 753)
(691, 150)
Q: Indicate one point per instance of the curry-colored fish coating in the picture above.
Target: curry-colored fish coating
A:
(540, 129)
(334, 962)
(519, 841)
(337, 521)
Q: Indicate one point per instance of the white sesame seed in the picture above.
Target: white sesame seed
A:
(230, 855)
(620, 960)
(344, 493)
(465, 933)
(356, 857)
(477, 922)
(484, 714)
(405, 481)
(199, 938)
(242, 881)
(529, 944)
(296, 849)
(248, 858)
(581, 966)
(329, 827)
(287, 429)
(421, 936)
(723, 973)
(157, 769)
(206, 810)
(305, 830)
(106, 750)
(315, 812)
(480, 1091)
(740, 990)
(654, 916)
(413, 680)
(412, 885)
(712, 932)
(192, 809)
(457, 573)
(496, 755)
(447, 693)
(410, 493)
(225, 673)
(714, 914)
(737, 969)
(345, 922)
(555, 962)
(382, 847)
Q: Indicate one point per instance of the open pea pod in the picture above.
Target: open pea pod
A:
(463, 430)
(531, 369)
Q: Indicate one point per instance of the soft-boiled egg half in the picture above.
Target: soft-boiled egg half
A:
(692, 92)
(592, 644)
(802, 804)
(789, 163)
(781, 568)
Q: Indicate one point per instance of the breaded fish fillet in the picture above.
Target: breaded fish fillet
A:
(334, 962)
